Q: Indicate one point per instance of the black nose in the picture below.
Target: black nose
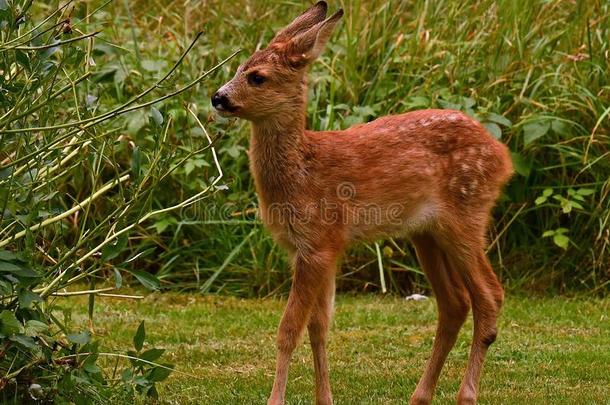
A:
(220, 101)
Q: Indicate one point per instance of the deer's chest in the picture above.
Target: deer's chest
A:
(293, 222)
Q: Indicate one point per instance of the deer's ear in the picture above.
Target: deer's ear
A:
(307, 46)
(312, 16)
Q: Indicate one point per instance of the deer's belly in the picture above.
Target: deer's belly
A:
(395, 220)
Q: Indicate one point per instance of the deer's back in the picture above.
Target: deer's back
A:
(426, 164)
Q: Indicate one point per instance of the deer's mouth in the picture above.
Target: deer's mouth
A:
(226, 109)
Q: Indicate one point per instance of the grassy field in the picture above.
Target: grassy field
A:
(549, 351)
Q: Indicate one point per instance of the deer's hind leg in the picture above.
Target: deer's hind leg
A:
(453, 305)
(486, 294)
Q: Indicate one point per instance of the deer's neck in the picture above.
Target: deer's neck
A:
(277, 156)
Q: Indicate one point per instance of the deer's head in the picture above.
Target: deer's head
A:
(272, 81)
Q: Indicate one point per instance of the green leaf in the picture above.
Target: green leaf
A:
(111, 251)
(34, 328)
(494, 129)
(234, 151)
(575, 195)
(158, 374)
(9, 267)
(534, 130)
(417, 102)
(499, 119)
(138, 339)
(127, 375)
(448, 105)
(548, 233)
(136, 120)
(156, 116)
(189, 166)
(26, 298)
(547, 192)
(9, 324)
(89, 363)
(6, 254)
(540, 200)
(22, 58)
(364, 111)
(522, 165)
(6, 287)
(91, 368)
(561, 240)
(152, 354)
(26, 273)
(151, 391)
(560, 127)
(24, 340)
(118, 279)
(468, 102)
(585, 191)
(162, 224)
(134, 361)
(148, 280)
(79, 338)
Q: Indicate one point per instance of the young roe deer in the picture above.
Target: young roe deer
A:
(432, 175)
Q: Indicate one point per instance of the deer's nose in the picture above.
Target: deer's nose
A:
(220, 101)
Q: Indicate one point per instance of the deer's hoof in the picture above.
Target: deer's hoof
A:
(420, 400)
(466, 399)
(324, 401)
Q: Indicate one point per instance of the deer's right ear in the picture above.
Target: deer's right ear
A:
(312, 16)
(307, 46)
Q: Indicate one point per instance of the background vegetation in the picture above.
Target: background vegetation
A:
(114, 169)
(536, 73)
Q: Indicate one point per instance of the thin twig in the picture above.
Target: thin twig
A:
(53, 45)
(66, 214)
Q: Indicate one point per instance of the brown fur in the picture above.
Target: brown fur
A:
(433, 175)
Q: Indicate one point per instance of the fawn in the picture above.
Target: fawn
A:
(432, 175)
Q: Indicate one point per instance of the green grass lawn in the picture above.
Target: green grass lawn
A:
(549, 350)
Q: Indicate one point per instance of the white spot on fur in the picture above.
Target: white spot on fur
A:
(479, 165)
(473, 185)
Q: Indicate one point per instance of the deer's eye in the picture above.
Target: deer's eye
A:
(255, 79)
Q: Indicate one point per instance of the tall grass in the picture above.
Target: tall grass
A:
(534, 72)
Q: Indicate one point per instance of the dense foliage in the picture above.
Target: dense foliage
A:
(72, 188)
(536, 74)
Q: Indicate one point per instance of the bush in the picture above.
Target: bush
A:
(73, 187)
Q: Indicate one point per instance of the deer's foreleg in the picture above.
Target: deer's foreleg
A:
(318, 330)
(313, 277)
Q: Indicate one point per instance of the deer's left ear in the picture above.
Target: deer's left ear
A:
(307, 46)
